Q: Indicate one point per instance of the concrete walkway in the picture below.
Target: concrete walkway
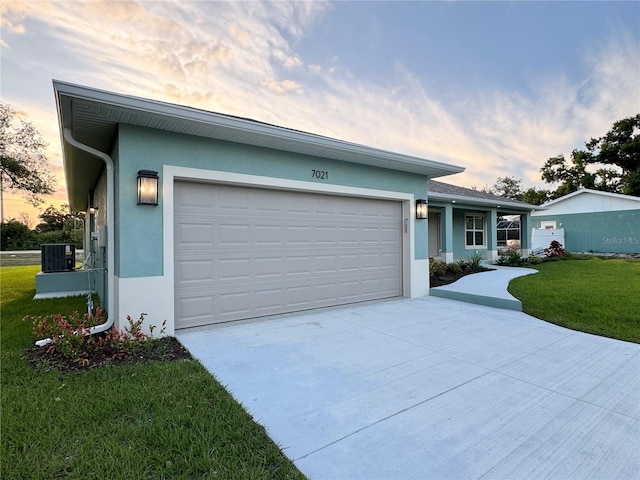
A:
(433, 388)
(485, 288)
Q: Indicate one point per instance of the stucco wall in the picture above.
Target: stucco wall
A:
(97, 247)
(459, 239)
(139, 228)
(605, 232)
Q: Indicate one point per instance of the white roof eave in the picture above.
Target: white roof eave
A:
(504, 204)
(178, 118)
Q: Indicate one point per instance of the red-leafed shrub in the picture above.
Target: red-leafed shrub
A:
(555, 250)
(70, 336)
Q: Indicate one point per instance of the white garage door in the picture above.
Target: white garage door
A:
(248, 252)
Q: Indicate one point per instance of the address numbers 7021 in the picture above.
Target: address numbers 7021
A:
(319, 174)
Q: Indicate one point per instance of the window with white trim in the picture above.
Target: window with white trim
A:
(475, 231)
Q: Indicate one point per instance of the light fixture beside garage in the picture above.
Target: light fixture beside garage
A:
(147, 187)
(421, 209)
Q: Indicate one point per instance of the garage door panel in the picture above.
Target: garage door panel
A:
(245, 252)
(195, 234)
(268, 268)
(196, 271)
(198, 310)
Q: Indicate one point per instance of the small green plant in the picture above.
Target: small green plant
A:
(454, 268)
(163, 329)
(121, 342)
(533, 260)
(511, 259)
(437, 268)
(475, 261)
(514, 258)
(503, 260)
(463, 264)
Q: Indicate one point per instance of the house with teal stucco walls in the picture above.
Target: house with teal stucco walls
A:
(199, 218)
(463, 222)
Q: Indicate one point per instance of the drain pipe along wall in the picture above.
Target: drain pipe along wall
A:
(110, 235)
(108, 161)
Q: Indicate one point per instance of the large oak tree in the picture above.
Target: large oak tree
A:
(610, 163)
(23, 163)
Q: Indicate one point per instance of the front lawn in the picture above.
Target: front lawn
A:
(594, 296)
(162, 419)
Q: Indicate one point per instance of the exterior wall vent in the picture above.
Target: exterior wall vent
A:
(58, 257)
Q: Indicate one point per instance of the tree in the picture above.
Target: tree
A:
(508, 187)
(610, 163)
(570, 175)
(23, 163)
(57, 226)
(534, 196)
(621, 147)
(511, 187)
(16, 236)
(69, 224)
(52, 219)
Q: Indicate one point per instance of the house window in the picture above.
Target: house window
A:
(548, 224)
(475, 231)
(508, 233)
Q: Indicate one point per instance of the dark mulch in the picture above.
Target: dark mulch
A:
(161, 349)
(439, 281)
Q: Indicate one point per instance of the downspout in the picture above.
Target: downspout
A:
(108, 161)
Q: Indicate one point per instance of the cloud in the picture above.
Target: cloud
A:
(12, 15)
(284, 86)
(514, 134)
(240, 58)
(292, 62)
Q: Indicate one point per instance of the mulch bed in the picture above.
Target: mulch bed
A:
(161, 349)
(439, 281)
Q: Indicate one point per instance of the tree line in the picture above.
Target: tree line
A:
(56, 226)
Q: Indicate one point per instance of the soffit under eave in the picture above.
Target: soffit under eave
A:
(82, 169)
(81, 172)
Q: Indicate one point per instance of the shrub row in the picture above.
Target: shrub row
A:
(554, 252)
(70, 335)
(439, 268)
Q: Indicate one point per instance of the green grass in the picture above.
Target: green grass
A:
(146, 421)
(594, 296)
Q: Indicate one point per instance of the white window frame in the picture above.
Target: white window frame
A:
(548, 224)
(483, 216)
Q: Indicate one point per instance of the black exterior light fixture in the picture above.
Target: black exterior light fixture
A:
(147, 187)
(421, 209)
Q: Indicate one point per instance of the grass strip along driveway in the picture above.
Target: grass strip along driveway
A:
(594, 296)
(143, 421)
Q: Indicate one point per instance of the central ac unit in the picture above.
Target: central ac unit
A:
(58, 257)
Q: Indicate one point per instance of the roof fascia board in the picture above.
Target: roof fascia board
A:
(595, 192)
(498, 202)
(188, 114)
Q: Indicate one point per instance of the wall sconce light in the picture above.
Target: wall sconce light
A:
(421, 209)
(147, 187)
(93, 210)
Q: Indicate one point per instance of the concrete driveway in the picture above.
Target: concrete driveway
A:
(433, 388)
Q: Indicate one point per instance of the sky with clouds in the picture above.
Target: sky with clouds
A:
(496, 87)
